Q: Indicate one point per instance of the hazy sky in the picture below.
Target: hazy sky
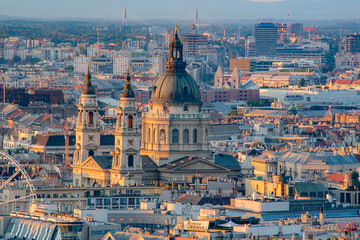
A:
(183, 9)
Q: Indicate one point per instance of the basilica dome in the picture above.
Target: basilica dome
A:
(176, 85)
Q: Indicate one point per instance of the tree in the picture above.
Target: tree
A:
(70, 68)
(301, 83)
(233, 112)
(16, 59)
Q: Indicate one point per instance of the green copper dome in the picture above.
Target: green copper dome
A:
(353, 175)
(176, 85)
(292, 110)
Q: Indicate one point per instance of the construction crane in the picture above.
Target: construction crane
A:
(99, 49)
(309, 31)
(98, 35)
(66, 135)
(98, 45)
(283, 31)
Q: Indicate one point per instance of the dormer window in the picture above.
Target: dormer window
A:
(185, 91)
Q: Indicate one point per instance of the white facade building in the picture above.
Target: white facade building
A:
(120, 65)
(81, 64)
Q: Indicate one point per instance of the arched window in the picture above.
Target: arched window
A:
(130, 121)
(195, 135)
(175, 136)
(154, 135)
(130, 160)
(91, 118)
(186, 136)
(186, 108)
(91, 153)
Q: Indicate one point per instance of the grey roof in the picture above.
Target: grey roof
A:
(227, 161)
(221, 107)
(105, 162)
(305, 157)
(224, 130)
(197, 200)
(52, 140)
(309, 187)
(59, 140)
(181, 163)
(148, 163)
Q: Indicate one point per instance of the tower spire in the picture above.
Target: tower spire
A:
(88, 88)
(127, 92)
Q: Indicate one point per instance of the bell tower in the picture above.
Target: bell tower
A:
(87, 126)
(126, 164)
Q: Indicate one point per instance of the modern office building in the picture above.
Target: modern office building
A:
(296, 29)
(266, 35)
(311, 53)
(353, 43)
(193, 43)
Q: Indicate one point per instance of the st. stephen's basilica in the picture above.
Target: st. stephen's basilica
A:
(170, 146)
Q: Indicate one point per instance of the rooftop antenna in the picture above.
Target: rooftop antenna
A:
(289, 14)
(82, 43)
(98, 35)
(196, 18)
(124, 17)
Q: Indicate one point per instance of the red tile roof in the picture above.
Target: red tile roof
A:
(334, 178)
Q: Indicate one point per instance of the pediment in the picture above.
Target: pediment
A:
(198, 165)
(92, 146)
(131, 150)
(90, 163)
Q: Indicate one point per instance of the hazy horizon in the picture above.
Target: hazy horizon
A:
(183, 10)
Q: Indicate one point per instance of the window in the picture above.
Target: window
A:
(91, 153)
(130, 160)
(175, 136)
(148, 135)
(195, 135)
(186, 108)
(130, 121)
(91, 118)
(186, 136)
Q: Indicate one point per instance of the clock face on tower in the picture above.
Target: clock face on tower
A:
(131, 142)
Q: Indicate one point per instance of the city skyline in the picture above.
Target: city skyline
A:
(208, 10)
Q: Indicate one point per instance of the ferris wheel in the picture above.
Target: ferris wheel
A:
(19, 175)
